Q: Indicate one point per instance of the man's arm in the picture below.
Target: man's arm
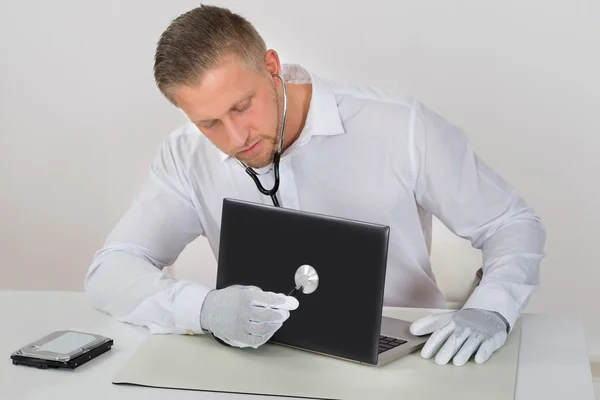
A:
(126, 279)
(475, 203)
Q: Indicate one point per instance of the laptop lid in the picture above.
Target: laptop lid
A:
(264, 246)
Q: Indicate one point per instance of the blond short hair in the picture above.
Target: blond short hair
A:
(195, 42)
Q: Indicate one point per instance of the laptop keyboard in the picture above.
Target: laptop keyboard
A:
(387, 343)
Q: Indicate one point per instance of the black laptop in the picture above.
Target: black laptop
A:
(265, 246)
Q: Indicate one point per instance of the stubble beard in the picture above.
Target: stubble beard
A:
(271, 142)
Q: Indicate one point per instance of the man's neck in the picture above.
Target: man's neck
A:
(298, 104)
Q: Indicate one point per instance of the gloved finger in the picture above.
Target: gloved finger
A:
(244, 287)
(255, 341)
(452, 346)
(262, 329)
(275, 300)
(269, 315)
(489, 346)
(430, 323)
(467, 350)
(437, 339)
(245, 340)
(233, 343)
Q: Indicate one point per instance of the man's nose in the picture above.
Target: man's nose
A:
(238, 136)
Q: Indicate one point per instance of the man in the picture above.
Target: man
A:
(348, 151)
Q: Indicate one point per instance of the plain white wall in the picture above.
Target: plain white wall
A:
(81, 118)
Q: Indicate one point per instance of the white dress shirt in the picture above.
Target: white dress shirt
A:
(364, 154)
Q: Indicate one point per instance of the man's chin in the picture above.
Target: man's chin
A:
(257, 162)
(256, 165)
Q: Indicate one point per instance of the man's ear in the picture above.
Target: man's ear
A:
(272, 63)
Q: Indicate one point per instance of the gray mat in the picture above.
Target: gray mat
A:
(200, 363)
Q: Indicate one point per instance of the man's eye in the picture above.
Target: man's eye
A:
(245, 107)
(210, 125)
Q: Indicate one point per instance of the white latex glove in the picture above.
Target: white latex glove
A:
(462, 334)
(245, 316)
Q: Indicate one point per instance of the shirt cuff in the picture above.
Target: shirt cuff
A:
(187, 307)
(492, 299)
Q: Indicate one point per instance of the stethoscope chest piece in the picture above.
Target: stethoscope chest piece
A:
(306, 279)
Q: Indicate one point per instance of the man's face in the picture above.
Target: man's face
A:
(237, 109)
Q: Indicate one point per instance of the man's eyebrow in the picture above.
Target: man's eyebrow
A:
(234, 106)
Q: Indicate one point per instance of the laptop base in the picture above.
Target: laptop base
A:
(390, 327)
(399, 329)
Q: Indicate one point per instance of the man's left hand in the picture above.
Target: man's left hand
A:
(462, 334)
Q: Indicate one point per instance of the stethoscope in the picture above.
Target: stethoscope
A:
(306, 279)
(273, 191)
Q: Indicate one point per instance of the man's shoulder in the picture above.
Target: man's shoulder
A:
(186, 139)
(184, 144)
(360, 103)
(371, 95)
(185, 135)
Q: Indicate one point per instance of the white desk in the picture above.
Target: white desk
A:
(553, 360)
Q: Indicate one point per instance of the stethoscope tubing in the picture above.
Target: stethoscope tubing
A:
(273, 191)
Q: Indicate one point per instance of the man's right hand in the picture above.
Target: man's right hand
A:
(245, 316)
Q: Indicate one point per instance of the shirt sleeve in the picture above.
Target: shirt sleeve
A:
(126, 277)
(474, 202)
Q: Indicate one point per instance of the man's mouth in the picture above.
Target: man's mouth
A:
(252, 150)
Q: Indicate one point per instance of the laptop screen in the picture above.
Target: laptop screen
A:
(264, 246)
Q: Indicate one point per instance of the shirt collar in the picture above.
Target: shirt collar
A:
(323, 118)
